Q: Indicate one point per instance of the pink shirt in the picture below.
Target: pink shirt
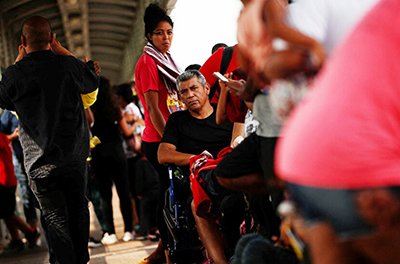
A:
(148, 78)
(346, 133)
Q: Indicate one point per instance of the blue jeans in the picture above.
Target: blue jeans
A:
(335, 206)
(65, 214)
(28, 199)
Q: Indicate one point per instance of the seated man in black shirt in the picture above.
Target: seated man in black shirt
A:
(190, 132)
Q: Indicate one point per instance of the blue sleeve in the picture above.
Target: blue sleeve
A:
(5, 123)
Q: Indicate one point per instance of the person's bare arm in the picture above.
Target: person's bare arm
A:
(221, 116)
(125, 128)
(58, 49)
(140, 121)
(151, 98)
(130, 117)
(167, 154)
(238, 130)
(14, 135)
(21, 53)
(274, 15)
(248, 91)
(89, 117)
(282, 64)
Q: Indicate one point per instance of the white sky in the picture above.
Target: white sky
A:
(199, 25)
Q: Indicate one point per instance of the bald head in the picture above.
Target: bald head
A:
(36, 33)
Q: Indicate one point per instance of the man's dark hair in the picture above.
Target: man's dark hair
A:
(217, 46)
(193, 67)
(106, 104)
(37, 32)
(152, 17)
(187, 75)
(125, 91)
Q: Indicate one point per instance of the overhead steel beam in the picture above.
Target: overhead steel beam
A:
(115, 20)
(111, 28)
(106, 35)
(110, 65)
(107, 42)
(116, 2)
(8, 5)
(85, 27)
(5, 61)
(79, 9)
(107, 50)
(124, 12)
(31, 12)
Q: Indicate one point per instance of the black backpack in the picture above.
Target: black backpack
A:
(226, 59)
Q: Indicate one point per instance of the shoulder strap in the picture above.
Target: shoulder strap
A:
(225, 61)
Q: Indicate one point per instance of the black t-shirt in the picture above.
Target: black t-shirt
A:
(191, 135)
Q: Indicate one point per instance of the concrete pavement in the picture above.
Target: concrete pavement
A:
(121, 252)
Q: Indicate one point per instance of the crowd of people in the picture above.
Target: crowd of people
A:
(289, 157)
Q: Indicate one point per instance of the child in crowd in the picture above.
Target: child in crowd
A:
(132, 115)
(8, 184)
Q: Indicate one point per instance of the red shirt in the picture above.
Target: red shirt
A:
(213, 64)
(7, 174)
(148, 78)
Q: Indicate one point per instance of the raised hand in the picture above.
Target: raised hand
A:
(97, 67)
(21, 53)
(59, 49)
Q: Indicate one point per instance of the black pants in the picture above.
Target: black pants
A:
(150, 150)
(65, 215)
(110, 166)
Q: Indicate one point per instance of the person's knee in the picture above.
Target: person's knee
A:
(193, 206)
(224, 182)
(379, 207)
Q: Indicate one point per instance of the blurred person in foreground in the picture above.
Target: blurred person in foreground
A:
(45, 91)
(271, 62)
(339, 154)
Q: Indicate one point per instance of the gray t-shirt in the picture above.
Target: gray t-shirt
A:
(268, 126)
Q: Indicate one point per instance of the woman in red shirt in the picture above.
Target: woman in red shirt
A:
(155, 76)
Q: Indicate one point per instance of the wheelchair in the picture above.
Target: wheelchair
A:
(184, 245)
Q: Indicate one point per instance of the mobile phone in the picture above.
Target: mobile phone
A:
(220, 76)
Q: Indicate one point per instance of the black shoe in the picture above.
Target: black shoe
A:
(153, 237)
(32, 238)
(14, 246)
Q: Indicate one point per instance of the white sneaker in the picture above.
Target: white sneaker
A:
(128, 236)
(109, 239)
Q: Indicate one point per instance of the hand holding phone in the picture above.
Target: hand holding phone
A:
(220, 76)
(224, 79)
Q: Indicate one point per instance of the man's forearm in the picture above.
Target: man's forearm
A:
(166, 155)
(248, 91)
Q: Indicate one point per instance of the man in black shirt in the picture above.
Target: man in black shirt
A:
(190, 132)
(45, 91)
